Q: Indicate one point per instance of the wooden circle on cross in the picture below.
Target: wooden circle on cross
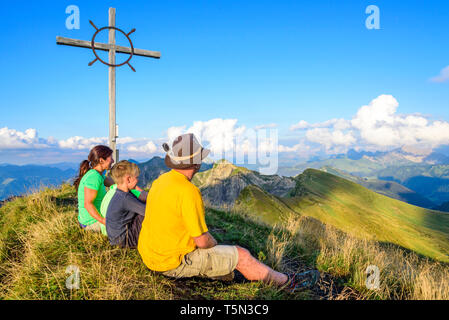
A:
(127, 37)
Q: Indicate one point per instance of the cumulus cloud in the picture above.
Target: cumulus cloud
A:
(339, 124)
(379, 124)
(81, 143)
(219, 135)
(266, 126)
(300, 125)
(227, 139)
(442, 77)
(13, 139)
(300, 148)
(147, 148)
(27, 144)
(330, 138)
(376, 126)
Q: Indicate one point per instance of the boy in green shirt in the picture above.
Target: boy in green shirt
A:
(123, 207)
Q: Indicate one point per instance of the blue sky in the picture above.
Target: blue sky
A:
(259, 62)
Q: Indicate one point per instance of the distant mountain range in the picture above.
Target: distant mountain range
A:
(423, 172)
(154, 167)
(418, 177)
(17, 180)
(367, 163)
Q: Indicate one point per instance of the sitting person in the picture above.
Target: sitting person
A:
(90, 185)
(139, 193)
(124, 207)
(174, 239)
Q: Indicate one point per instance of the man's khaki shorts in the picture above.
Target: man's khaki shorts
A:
(213, 262)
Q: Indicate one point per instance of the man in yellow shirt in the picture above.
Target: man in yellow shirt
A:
(174, 238)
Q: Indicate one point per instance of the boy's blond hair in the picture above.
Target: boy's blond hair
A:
(122, 168)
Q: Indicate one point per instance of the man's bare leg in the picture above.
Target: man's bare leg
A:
(253, 269)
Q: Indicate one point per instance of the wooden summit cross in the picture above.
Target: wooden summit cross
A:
(113, 49)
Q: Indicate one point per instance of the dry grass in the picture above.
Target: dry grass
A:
(36, 268)
(39, 239)
(403, 274)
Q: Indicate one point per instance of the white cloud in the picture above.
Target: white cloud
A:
(13, 139)
(266, 126)
(380, 125)
(226, 139)
(174, 132)
(442, 77)
(14, 142)
(376, 126)
(216, 134)
(300, 125)
(329, 138)
(147, 148)
(81, 143)
(339, 124)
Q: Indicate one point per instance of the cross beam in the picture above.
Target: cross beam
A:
(106, 47)
(112, 48)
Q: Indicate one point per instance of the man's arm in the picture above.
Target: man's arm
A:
(143, 196)
(205, 241)
(108, 181)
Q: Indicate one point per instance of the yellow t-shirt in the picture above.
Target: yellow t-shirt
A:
(174, 214)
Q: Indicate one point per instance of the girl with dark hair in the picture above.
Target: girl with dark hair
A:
(90, 185)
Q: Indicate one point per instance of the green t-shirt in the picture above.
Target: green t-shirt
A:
(105, 203)
(95, 181)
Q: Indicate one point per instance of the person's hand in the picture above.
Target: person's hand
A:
(138, 188)
(102, 221)
(205, 241)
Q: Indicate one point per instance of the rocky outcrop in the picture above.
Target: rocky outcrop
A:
(221, 185)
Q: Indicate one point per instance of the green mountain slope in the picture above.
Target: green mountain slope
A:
(355, 209)
(261, 205)
(387, 188)
(333, 200)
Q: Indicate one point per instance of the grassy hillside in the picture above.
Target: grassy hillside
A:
(261, 205)
(364, 213)
(40, 239)
(387, 188)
